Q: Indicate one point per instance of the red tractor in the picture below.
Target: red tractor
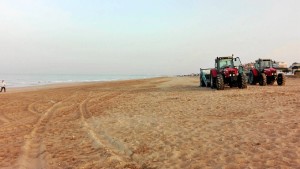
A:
(228, 71)
(264, 73)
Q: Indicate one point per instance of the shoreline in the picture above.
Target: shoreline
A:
(68, 84)
(34, 80)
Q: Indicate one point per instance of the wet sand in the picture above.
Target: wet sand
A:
(153, 123)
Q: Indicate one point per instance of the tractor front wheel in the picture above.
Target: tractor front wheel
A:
(220, 82)
(242, 81)
(263, 80)
(281, 79)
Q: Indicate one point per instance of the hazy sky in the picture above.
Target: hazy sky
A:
(143, 36)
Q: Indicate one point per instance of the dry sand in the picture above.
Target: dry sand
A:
(154, 123)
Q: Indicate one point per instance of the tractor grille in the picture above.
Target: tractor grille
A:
(231, 73)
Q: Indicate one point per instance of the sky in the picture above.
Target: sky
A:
(153, 37)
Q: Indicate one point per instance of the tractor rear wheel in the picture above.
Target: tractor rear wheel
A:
(220, 82)
(263, 80)
(281, 79)
(242, 81)
(251, 77)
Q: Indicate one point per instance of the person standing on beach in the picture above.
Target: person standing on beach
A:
(3, 84)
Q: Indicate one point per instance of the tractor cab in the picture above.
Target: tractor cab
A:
(229, 64)
(262, 64)
(224, 62)
(265, 66)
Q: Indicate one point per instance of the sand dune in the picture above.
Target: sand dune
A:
(154, 123)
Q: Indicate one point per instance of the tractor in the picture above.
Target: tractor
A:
(204, 77)
(264, 73)
(228, 71)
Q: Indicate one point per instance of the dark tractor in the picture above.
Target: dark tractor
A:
(228, 71)
(264, 73)
(204, 77)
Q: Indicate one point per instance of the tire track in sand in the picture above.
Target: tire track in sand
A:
(31, 108)
(33, 152)
(5, 119)
(114, 147)
(4, 115)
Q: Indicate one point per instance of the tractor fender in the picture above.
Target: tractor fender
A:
(255, 72)
(213, 73)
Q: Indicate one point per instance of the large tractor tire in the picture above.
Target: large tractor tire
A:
(251, 78)
(220, 82)
(263, 80)
(242, 81)
(281, 79)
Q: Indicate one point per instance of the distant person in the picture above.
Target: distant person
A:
(3, 84)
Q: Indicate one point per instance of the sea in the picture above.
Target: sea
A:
(27, 80)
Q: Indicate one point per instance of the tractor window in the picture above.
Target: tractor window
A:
(225, 63)
(237, 62)
(264, 64)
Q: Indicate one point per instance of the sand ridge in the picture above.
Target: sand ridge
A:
(153, 123)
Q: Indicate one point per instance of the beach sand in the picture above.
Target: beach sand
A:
(152, 123)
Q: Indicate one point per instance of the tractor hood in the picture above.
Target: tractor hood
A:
(230, 72)
(270, 71)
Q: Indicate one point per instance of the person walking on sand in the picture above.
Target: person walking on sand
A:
(3, 84)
